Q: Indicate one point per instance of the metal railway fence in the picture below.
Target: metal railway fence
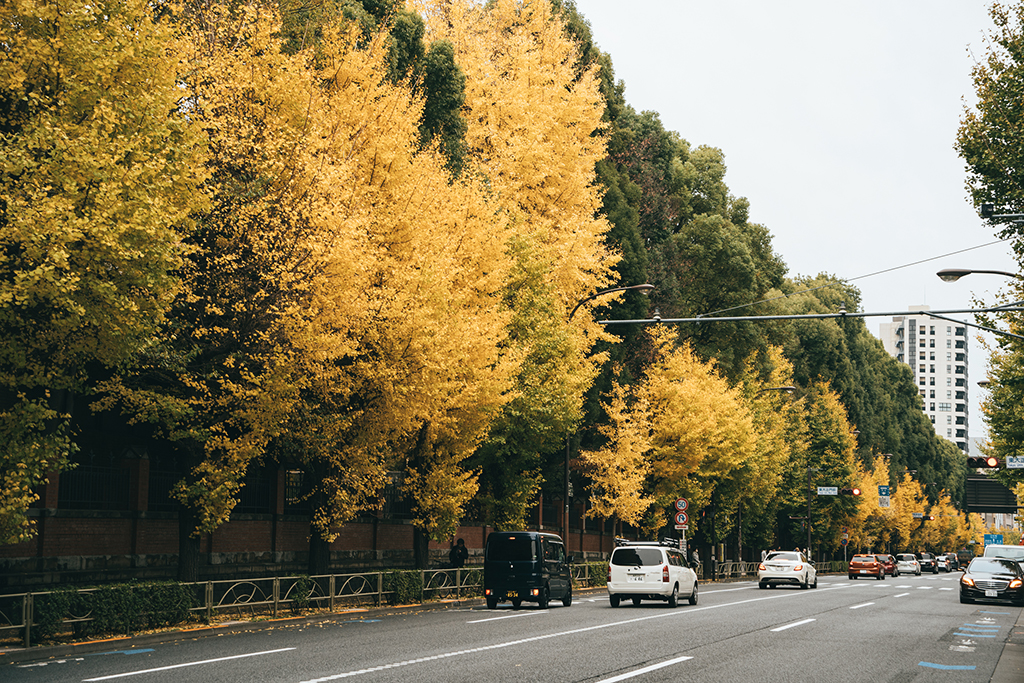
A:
(269, 597)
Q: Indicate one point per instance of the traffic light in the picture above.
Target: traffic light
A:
(989, 462)
(850, 492)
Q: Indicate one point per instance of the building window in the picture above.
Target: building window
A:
(949, 432)
(949, 355)
(931, 406)
(922, 381)
(932, 394)
(949, 381)
(931, 368)
(949, 331)
(921, 343)
(949, 343)
(949, 419)
(931, 343)
(931, 380)
(922, 393)
(932, 329)
(945, 407)
(949, 394)
(921, 356)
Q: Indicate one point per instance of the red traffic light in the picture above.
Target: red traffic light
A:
(989, 462)
(850, 492)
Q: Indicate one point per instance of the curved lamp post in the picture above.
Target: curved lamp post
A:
(954, 274)
(568, 439)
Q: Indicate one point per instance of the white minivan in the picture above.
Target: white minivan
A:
(1010, 552)
(650, 570)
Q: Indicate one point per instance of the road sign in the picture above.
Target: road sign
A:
(828, 490)
(682, 518)
(883, 490)
(1015, 462)
(682, 504)
(843, 542)
(918, 515)
(993, 539)
(883, 501)
(845, 530)
(684, 527)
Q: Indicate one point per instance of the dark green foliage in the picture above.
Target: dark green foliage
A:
(49, 612)
(406, 51)
(301, 592)
(444, 90)
(403, 588)
(112, 610)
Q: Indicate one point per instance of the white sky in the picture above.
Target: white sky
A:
(837, 121)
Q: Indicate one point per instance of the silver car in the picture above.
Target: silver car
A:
(786, 567)
(907, 564)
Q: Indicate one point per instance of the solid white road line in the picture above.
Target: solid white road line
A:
(507, 616)
(646, 669)
(179, 666)
(795, 623)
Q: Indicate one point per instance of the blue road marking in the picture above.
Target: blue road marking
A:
(947, 667)
(120, 652)
(982, 626)
(1003, 613)
(360, 621)
(973, 635)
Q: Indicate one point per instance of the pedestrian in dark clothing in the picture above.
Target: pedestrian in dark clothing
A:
(458, 555)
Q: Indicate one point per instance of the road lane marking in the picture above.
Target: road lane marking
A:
(507, 616)
(1005, 614)
(901, 595)
(973, 635)
(548, 636)
(180, 666)
(646, 669)
(947, 588)
(948, 667)
(924, 588)
(795, 623)
(866, 604)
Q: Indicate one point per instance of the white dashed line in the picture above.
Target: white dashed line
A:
(863, 605)
(795, 623)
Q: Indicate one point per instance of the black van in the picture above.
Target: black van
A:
(526, 565)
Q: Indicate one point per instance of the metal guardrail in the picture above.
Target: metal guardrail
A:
(272, 595)
(732, 569)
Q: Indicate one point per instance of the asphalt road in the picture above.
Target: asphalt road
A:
(904, 629)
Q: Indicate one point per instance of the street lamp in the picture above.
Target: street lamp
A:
(808, 548)
(568, 439)
(954, 274)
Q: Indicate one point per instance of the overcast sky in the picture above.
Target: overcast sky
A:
(838, 123)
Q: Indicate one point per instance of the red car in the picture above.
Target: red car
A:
(866, 565)
(889, 562)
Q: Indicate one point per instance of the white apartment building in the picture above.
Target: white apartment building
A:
(936, 351)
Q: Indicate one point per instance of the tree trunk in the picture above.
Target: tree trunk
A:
(421, 548)
(188, 546)
(319, 553)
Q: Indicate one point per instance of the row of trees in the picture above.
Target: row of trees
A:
(346, 237)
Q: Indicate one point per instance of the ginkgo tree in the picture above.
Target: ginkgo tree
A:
(99, 169)
(532, 139)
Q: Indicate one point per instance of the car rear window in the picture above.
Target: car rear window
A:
(792, 557)
(863, 558)
(511, 549)
(906, 558)
(882, 558)
(632, 557)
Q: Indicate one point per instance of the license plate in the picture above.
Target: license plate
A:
(991, 593)
(636, 578)
(863, 571)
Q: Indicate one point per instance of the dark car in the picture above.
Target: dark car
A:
(928, 563)
(992, 579)
(954, 561)
(526, 566)
(889, 562)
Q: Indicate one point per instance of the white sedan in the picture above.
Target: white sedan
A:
(907, 564)
(786, 567)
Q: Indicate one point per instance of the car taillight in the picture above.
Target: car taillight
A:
(664, 573)
(761, 567)
(609, 573)
(798, 567)
(1016, 583)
